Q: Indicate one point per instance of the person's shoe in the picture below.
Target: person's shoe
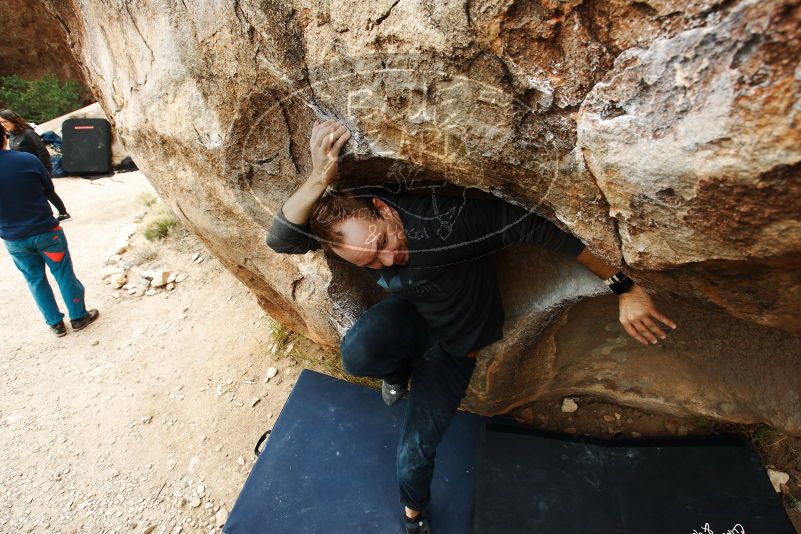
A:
(83, 322)
(59, 329)
(392, 393)
(418, 525)
(63, 217)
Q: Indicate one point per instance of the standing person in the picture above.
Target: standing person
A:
(432, 255)
(34, 238)
(23, 138)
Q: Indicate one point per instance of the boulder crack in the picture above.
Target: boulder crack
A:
(139, 33)
(615, 224)
(386, 13)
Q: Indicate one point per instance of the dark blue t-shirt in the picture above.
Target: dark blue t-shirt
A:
(24, 184)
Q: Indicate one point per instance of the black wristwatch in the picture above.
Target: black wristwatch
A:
(619, 283)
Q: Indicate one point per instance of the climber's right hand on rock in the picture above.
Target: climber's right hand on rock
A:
(327, 139)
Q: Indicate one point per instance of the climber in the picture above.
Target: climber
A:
(34, 238)
(432, 255)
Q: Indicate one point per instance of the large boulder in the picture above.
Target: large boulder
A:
(662, 133)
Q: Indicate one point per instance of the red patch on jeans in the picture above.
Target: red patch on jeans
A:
(76, 300)
(55, 256)
(55, 238)
(55, 228)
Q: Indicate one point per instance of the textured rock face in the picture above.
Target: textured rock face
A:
(664, 134)
(707, 367)
(33, 44)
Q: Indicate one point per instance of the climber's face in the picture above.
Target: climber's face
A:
(9, 126)
(373, 243)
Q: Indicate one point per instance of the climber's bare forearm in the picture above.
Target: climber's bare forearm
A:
(595, 264)
(297, 207)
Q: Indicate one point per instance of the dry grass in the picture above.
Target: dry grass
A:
(142, 252)
(309, 355)
(147, 199)
(280, 334)
(158, 222)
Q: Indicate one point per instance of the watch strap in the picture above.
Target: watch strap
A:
(619, 283)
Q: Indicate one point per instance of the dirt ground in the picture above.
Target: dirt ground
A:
(143, 421)
(146, 421)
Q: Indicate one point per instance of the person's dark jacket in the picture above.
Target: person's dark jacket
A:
(24, 186)
(449, 276)
(29, 141)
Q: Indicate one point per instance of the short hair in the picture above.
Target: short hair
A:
(332, 209)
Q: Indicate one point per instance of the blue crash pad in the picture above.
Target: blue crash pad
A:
(329, 466)
(533, 481)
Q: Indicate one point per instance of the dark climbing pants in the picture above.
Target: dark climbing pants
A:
(392, 341)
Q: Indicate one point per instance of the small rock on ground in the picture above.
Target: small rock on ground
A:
(569, 405)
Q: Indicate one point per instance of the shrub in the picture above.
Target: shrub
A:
(143, 252)
(39, 100)
(158, 223)
(280, 333)
(146, 199)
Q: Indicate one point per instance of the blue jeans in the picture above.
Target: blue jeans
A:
(30, 256)
(392, 341)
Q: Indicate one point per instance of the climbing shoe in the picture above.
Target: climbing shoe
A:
(392, 393)
(418, 525)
